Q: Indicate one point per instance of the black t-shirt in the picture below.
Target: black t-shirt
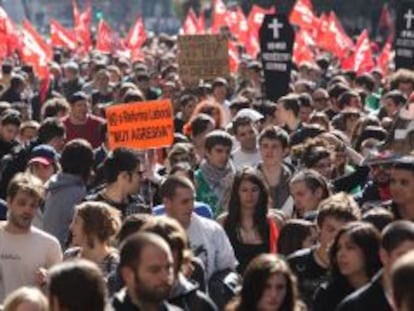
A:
(309, 273)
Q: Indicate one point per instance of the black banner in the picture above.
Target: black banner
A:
(276, 43)
(404, 35)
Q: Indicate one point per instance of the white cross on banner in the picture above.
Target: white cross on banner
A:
(275, 26)
(409, 16)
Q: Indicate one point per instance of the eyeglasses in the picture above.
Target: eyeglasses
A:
(320, 99)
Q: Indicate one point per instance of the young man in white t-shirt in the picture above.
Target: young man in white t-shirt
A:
(208, 240)
(25, 251)
(247, 154)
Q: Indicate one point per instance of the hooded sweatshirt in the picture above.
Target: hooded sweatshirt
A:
(64, 191)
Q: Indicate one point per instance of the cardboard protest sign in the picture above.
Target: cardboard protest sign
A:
(203, 57)
(141, 125)
(276, 43)
(404, 35)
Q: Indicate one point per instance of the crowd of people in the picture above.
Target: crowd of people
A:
(305, 203)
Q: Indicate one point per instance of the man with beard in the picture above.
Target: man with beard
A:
(147, 268)
(25, 251)
(378, 188)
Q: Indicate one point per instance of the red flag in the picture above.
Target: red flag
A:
(335, 40)
(256, 17)
(104, 38)
(76, 14)
(136, 35)
(243, 29)
(301, 49)
(60, 36)
(82, 22)
(384, 58)
(3, 47)
(201, 23)
(234, 59)
(323, 27)
(302, 15)
(362, 59)
(10, 37)
(191, 24)
(254, 22)
(385, 20)
(220, 16)
(35, 51)
(252, 46)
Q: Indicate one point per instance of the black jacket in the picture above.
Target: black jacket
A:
(370, 297)
(122, 302)
(330, 294)
(187, 296)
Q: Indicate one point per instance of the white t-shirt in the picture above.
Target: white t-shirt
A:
(21, 255)
(210, 243)
(241, 158)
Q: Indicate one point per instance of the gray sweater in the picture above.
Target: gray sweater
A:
(64, 191)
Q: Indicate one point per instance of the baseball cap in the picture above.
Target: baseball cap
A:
(44, 154)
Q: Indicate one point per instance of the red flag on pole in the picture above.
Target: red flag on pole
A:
(384, 58)
(255, 20)
(335, 40)
(82, 23)
(234, 59)
(201, 23)
(219, 16)
(10, 36)
(136, 35)
(385, 20)
(60, 36)
(302, 15)
(361, 60)
(104, 39)
(301, 49)
(35, 51)
(191, 24)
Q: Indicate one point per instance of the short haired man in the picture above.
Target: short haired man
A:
(392, 102)
(9, 129)
(215, 175)
(184, 293)
(287, 113)
(397, 239)
(207, 238)
(51, 132)
(402, 188)
(123, 174)
(247, 154)
(67, 188)
(311, 264)
(273, 147)
(76, 285)
(146, 267)
(25, 251)
(80, 123)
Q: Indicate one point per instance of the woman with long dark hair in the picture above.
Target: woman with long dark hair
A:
(268, 285)
(248, 225)
(354, 260)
